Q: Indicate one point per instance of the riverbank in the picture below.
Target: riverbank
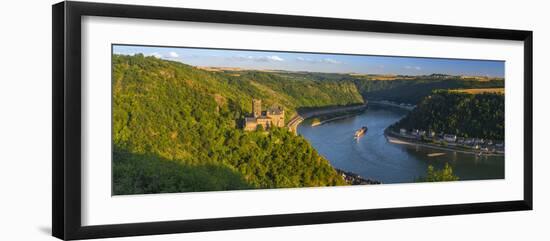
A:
(392, 104)
(299, 118)
(395, 138)
(354, 179)
(339, 117)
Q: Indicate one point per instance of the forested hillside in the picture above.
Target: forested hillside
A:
(401, 89)
(176, 128)
(463, 114)
(413, 90)
(300, 93)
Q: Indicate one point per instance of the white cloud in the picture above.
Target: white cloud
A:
(316, 61)
(273, 58)
(173, 54)
(331, 61)
(155, 54)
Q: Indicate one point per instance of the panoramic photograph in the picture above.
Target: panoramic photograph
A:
(201, 119)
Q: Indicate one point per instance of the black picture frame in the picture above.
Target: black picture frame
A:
(66, 157)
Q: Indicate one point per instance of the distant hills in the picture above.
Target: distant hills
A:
(368, 76)
(411, 90)
(397, 88)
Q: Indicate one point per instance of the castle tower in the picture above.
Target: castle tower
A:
(256, 107)
(276, 115)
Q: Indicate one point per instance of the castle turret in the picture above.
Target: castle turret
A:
(256, 107)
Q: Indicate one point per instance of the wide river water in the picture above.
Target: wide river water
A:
(372, 156)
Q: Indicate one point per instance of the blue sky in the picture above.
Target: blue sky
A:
(333, 63)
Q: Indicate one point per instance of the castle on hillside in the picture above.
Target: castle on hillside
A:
(274, 116)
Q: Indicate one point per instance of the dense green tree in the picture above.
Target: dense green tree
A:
(148, 173)
(443, 175)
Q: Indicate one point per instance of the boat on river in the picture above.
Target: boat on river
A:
(360, 132)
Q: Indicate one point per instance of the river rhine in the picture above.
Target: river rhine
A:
(372, 156)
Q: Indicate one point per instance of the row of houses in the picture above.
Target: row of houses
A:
(474, 143)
